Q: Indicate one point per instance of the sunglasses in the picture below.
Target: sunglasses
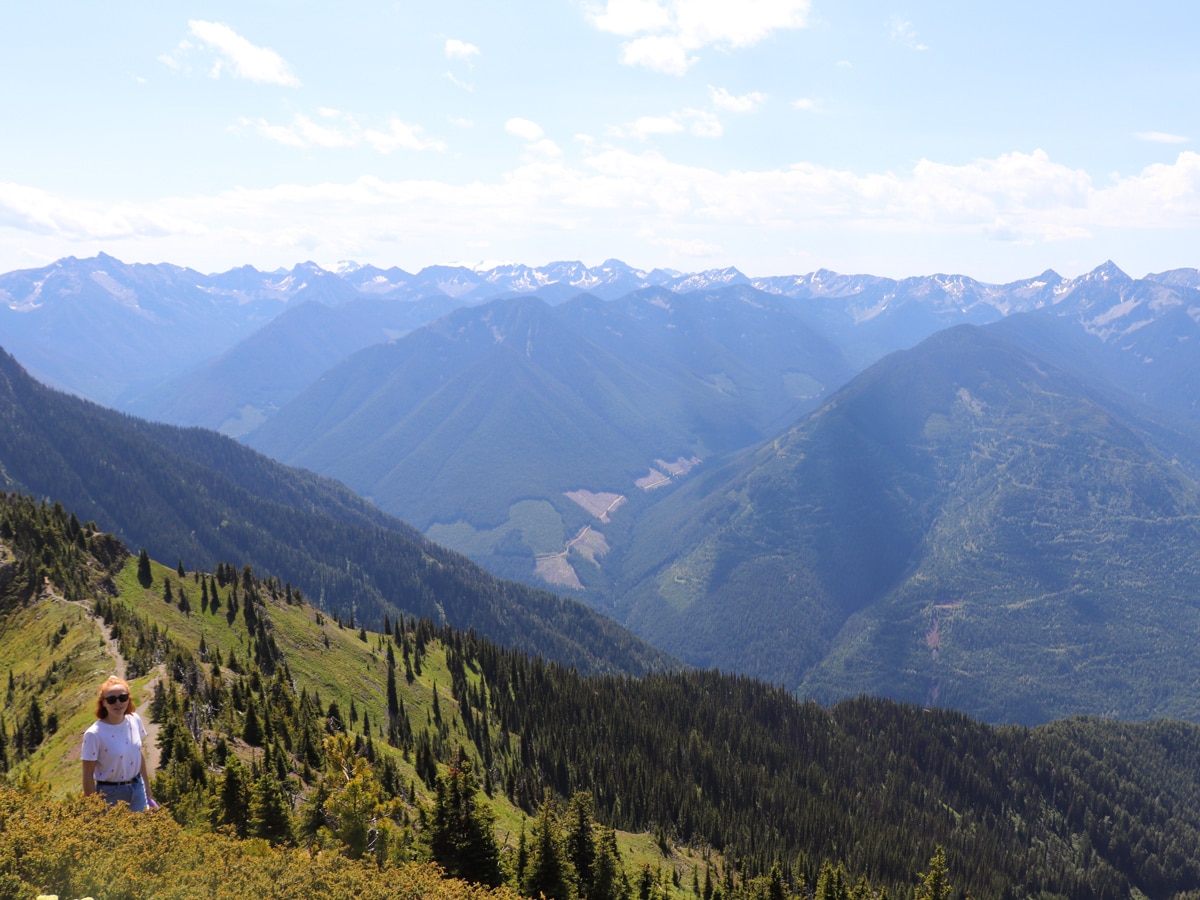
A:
(117, 698)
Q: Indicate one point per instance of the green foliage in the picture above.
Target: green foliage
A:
(79, 848)
(461, 836)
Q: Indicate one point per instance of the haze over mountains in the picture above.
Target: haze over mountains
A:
(1001, 518)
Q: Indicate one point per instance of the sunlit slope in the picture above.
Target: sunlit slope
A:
(964, 525)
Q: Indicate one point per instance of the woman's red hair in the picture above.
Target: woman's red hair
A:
(111, 682)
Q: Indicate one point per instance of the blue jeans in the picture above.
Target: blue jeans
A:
(134, 794)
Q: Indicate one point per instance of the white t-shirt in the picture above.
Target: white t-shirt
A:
(117, 749)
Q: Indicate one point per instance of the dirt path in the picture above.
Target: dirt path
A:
(120, 668)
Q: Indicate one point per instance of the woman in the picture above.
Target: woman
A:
(113, 762)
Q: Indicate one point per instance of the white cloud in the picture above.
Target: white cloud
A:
(662, 53)
(609, 196)
(806, 104)
(1161, 137)
(260, 64)
(665, 33)
(699, 122)
(456, 49)
(343, 130)
(903, 32)
(401, 136)
(524, 129)
(722, 99)
(466, 86)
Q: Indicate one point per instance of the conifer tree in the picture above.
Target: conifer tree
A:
(33, 729)
(252, 732)
(609, 881)
(549, 872)
(270, 813)
(144, 575)
(581, 840)
(232, 805)
(461, 836)
(935, 884)
(393, 698)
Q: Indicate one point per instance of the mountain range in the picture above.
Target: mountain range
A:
(954, 493)
(963, 523)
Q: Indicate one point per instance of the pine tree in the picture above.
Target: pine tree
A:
(270, 813)
(144, 576)
(33, 729)
(393, 698)
(232, 806)
(581, 840)
(461, 836)
(548, 873)
(935, 884)
(252, 732)
(609, 881)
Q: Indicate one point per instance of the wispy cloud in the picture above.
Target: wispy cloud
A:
(456, 49)
(535, 138)
(904, 32)
(1161, 137)
(343, 130)
(524, 129)
(699, 122)
(1023, 197)
(806, 104)
(722, 99)
(240, 57)
(664, 35)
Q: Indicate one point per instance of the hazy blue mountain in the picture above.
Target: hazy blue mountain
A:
(245, 385)
(1146, 333)
(482, 422)
(97, 326)
(195, 495)
(963, 524)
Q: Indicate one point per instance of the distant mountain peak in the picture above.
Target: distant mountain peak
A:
(1106, 271)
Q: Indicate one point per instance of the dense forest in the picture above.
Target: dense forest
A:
(293, 728)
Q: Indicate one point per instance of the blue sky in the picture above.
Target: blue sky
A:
(778, 136)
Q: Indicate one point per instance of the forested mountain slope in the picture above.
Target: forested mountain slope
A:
(479, 426)
(278, 723)
(963, 524)
(197, 496)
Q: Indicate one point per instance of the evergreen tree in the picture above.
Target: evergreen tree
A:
(609, 881)
(270, 813)
(252, 732)
(581, 840)
(144, 576)
(935, 884)
(232, 806)
(549, 872)
(461, 836)
(33, 729)
(393, 698)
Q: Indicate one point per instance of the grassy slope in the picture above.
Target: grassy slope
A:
(348, 670)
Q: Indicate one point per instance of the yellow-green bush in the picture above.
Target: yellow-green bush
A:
(79, 848)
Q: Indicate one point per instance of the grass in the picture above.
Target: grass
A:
(56, 650)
